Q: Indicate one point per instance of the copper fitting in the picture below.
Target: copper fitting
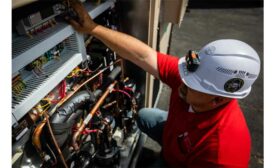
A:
(55, 142)
(36, 136)
(76, 135)
(91, 114)
(109, 104)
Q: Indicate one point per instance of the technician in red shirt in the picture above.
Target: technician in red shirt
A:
(205, 126)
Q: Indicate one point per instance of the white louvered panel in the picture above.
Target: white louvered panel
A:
(25, 49)
(39, 87)
(22, 43)
(94, 11)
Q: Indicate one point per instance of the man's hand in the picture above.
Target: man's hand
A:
(85, 23)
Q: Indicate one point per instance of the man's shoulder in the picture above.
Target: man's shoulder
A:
(168, 69)
(233, 110)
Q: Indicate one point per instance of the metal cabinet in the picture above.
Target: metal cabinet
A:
(25, 50)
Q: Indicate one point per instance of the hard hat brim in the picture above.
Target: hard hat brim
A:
(191, 80)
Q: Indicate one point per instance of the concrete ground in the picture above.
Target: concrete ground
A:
(201, 26)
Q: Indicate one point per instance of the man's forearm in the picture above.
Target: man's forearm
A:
(128, 47)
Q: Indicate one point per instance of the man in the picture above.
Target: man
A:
(205, 126)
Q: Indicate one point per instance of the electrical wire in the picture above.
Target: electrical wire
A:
(52, 101)
(98, 68)
(42, 112)
(74, 73)
(122, 91)
(45, 105)
(52, 153)
(128, 88)
(88, 131)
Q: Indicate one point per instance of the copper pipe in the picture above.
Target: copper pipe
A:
(38, 130)
(36, 137)
(55, 142)
(109, 104)
(78, 87)
(91, 114)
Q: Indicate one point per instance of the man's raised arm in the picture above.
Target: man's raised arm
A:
(124, 45)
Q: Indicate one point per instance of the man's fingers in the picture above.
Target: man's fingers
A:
(77, 6)
(79, 10)
(74, 24)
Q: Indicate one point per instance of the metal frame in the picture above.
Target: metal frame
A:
(152, 41)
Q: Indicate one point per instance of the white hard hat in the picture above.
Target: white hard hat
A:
(225, 68)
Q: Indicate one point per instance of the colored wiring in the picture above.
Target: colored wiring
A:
(53, 101)
(74, 73)
(45, 105)
(128, 88)
(40, 107)
(62, 89)
(122, 91)
(88, 131)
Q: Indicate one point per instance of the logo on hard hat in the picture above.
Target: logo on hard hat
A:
(233, 85)
(210, 50)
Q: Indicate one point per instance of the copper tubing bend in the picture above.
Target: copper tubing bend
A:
(36, 137)
(91, 114)
(55, 142)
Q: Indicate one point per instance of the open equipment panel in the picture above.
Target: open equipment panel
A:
(74, 101)
(72, 105)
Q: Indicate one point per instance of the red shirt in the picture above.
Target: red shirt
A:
(217, 138)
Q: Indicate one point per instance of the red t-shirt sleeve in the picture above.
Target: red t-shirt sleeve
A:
(168, 70)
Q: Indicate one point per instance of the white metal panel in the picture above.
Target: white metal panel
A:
(94, 10)
(25, 49)
(13, 120)
(39, 87)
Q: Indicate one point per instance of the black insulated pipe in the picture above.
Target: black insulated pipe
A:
(114, 73)
(64, 112)
(111, 77)
(67, 114)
